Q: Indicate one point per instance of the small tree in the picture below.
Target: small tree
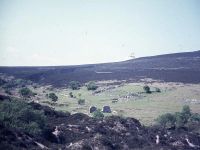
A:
(158, 90)
(74, 85)
(98, 114)
(91, 86)
(147, 89)
(26, 92)
(81, 101)
(53, 97)
(71, 95)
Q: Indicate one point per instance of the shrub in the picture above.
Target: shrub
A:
(71, 95)
(53, 97)
(167, 120)
(158, 90)
(81, 101)
(21, 116)
(74, 85)
(98, 114)
(91, 86)
(147, 89)
(26, 92)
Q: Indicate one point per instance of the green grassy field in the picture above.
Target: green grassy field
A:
(132, 100)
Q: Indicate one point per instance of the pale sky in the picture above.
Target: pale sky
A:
(71, 32)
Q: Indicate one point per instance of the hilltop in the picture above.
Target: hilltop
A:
(177, 67)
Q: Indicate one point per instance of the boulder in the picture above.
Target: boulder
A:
(92, 109)
(106, 109)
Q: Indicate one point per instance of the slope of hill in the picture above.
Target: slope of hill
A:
(178, 67)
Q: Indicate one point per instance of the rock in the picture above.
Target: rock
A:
(92, 109)
(106, 109)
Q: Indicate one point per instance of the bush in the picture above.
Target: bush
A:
(53, 97)
(147, 89)
(91, 86)
(158, 90)
(26, 92)
(21, 116)
(98, 114)
(71, 95)
(74, 85)
(167, 120)
(81, 101)
(179, 119)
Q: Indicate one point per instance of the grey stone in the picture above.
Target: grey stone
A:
(92, 109)
(106, 109)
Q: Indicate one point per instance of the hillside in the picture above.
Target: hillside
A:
(178, 67)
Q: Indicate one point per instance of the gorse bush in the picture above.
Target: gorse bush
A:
(25, 92)
(81, 101)
(178, 119)
(71, 95)
(53, 97)
(21, 116)
(91, 86)
(74, 85)
(147, 89)
(98, 114)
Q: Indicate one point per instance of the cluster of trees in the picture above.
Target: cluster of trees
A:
(178, 119)
(75, 85)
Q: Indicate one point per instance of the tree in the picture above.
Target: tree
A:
(74, 85)
(91, 86)
(147, 89)
(167, 120)
(71, 95)
(81, 101)
(53, 96)
(26, 92)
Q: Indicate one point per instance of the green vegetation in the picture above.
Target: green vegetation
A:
(91, 85)
(21, 116)
(81, 101)
(26, 92)
(98, 114)
(147, 89)
(157, 90)
(53, 97)
(178, 119)
(71, 94)
(74, 85)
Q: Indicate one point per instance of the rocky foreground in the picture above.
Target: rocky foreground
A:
(79, 131)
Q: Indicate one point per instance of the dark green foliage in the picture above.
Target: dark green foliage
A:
(178, 119)
(167, 120)
(147, 89)
(92, 86)
(74, 85)
(158, 90)
(98, 114)
(21, 116)
(26, 92)
(53, 97)
(71, 95)
(81, 101)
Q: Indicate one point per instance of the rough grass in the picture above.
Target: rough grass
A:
(145, 107)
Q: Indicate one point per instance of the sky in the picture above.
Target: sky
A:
(73, 32)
